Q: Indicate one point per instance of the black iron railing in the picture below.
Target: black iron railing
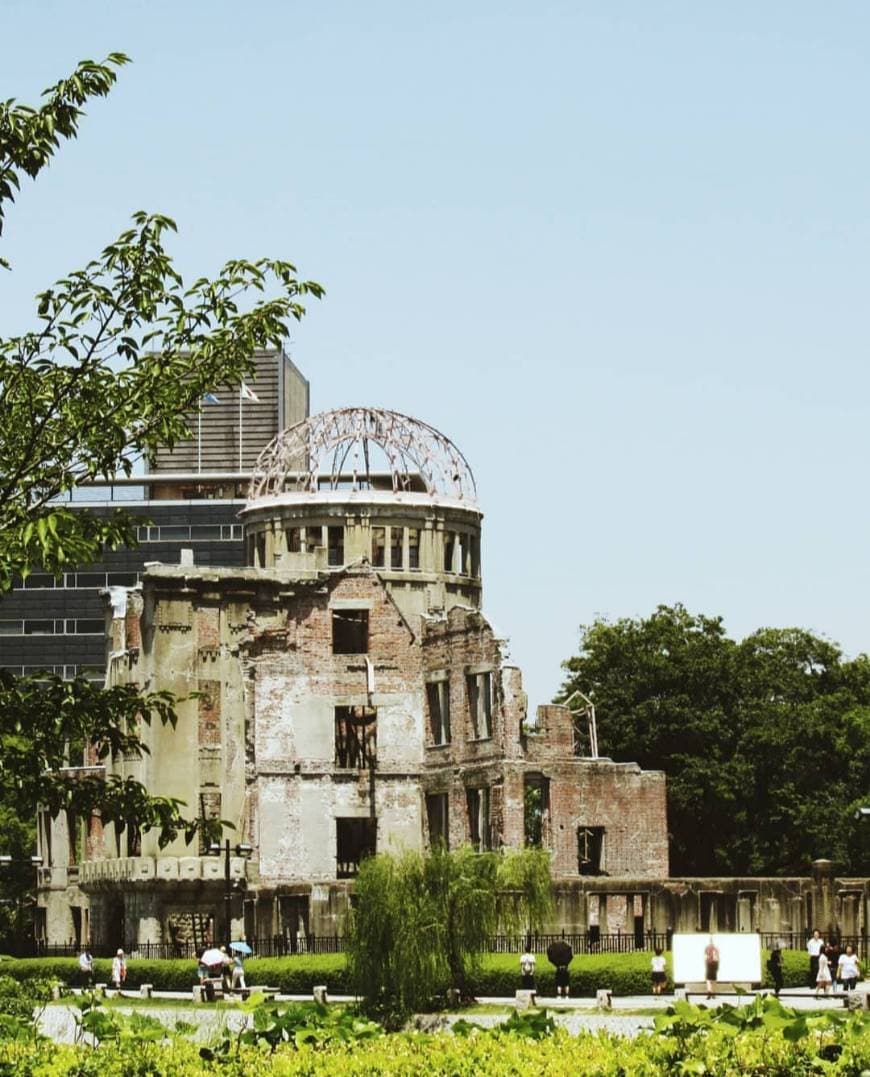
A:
(587, 942)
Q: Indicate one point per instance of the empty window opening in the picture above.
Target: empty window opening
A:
(355, 840)
(438, 698)
(536, 808)
(336, 545)
(356, 731)
(590, 850)
(479, 833)
(480, 704)
(396, 551)
(475, 556)
(313, 538)
(209, 808)
(449, 546)
(294, 540)
(379, 546)
(437, 814)
(413, 547)
(350, 631)
(260, 540)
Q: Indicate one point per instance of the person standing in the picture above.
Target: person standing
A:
(848, 969)
(527, 970)
(86, 968)
(774, 967)
(239, 973)
(119, 970)
(711, 966)
(815, 946)
(823, 976)
(659, 976)
(563, 981)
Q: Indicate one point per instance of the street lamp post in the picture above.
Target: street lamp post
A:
(243, 850)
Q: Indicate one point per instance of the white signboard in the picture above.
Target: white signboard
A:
(739, 958)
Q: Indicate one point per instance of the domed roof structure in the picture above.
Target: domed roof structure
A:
(362, 449)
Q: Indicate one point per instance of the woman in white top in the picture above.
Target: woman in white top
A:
(848, 969)
(823, 977)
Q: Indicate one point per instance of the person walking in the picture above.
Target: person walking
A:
(711, 966)
(823, 976)
(527, 970)
(815, 946)
(86, 968)
(848, 969)
(659, 976)
(119, 970)
(774, 967)
(239, 973)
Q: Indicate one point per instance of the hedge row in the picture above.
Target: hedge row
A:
(718, 1053)
(624, 974)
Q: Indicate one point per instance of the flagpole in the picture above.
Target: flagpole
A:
(240, 427)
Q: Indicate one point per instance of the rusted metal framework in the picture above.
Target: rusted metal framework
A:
(362, 449)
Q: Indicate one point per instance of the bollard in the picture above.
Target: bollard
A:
(198, 993)
(146, 990)
(55, 991)
(100, 990)
(604, 998)
(680, 993)
(320, 994)
(525, 999)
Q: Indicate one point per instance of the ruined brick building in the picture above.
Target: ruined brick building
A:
(343, 693)
(351, 696)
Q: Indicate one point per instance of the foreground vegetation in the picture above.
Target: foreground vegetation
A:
(760, 1038)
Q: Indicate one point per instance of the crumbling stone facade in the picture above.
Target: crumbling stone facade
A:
(342, 694)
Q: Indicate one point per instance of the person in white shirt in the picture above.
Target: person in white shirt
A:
(659, 976)
(119, 970)
(823, 976)
(86, 967)
(848, 969)
(527, 970)
(815, 945)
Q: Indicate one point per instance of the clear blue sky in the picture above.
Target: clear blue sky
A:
(617, 251)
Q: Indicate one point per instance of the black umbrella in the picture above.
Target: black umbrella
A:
(560, 953)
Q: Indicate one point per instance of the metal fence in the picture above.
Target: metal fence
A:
(587, 942)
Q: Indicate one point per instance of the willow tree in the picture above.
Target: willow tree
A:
(421, 924)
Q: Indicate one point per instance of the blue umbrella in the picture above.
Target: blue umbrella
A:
(241, 948)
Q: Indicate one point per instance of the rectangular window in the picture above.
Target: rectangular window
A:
(350, 631)
(88, 627)
(90, 579)
(379, 546)
(480, 704)
(413, 548)
(590, 850)
(11, 628)
(396, 559)
(355, 840)
(536, 808)
(336, 545)
(313, 538)
(203, 532)
(42, 628)
(356, 732)
(294, 540)
(39, 580)
(437, 814)
(449, 545)
(438, 698)
(479, 834)
(173, 531)
(122, 579)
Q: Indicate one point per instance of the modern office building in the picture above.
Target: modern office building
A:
(190, 496)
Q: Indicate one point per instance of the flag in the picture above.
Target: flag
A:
(248, 394)
(210, 398)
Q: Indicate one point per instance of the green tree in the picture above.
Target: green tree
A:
(122, 351)
(420, 923)
(765, 741)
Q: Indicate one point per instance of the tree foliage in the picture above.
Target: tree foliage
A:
(765, 741)
(122, 351)
(420, 922)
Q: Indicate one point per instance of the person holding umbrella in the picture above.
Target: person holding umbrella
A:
(212, 961)
(240, 951)
(560, 954)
